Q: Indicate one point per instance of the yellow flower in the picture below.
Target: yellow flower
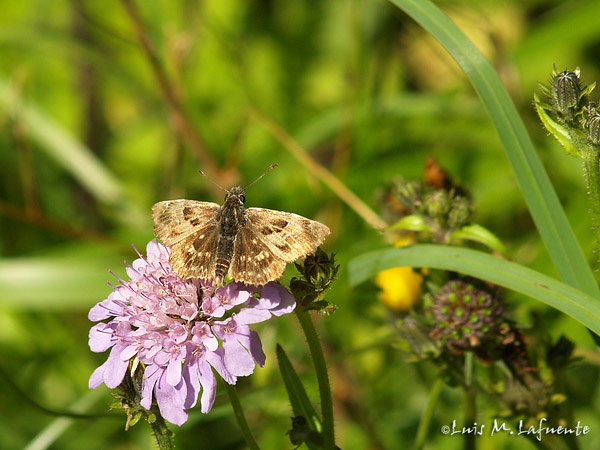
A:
(400, 288)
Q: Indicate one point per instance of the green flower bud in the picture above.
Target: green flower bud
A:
(437, 205)
(409, 193)
(592, 127)
(460, 212)
(565, 92)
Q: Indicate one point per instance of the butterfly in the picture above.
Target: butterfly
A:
(253, 245)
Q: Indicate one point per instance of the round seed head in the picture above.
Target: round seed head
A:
(465, 316)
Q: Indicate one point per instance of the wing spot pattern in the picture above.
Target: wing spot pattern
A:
(267, 231)
(283, 246)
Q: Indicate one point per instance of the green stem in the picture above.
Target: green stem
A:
(591, 169)
(162, 434)
(239, 416)
(131, 386)
(316, 353)
(470, 402)
(428, 413)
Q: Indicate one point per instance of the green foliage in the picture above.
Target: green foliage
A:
(89, 142)
(561, 296)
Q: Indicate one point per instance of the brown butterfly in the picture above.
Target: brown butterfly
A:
(251, 245)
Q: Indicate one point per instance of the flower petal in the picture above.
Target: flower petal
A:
(209, 387)
(101, 337)
(151, 376)
(252, 315)
(237, 359)
(97, 377)
(115, 367)
(170, 401)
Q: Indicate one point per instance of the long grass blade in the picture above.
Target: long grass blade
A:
(573, 302)
(533, 180)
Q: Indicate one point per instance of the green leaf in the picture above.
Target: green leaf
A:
(558, 131)
(533, 180)
(300, 402)
(411, 223)
(561, 296)
(480, 234)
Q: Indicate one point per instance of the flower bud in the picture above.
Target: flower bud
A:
(437, 205)
(592, 127)
(461, 212)
(409, 193)
(565, 92)
(318, 272)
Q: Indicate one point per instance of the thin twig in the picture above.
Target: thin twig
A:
(319, 171)
(179, 117)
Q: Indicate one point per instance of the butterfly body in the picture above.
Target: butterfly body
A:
(230, 219)
(249, 245)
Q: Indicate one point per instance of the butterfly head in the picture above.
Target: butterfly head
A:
(236, 196)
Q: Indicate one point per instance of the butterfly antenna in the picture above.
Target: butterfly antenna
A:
(271, 167)
(212, 181)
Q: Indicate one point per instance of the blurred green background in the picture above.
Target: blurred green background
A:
(95, 128)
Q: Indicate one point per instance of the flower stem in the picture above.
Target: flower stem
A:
(470, 401)
(163, 436)
(428, 413)
(131, 386)
(316, 353)
(591, 169)
(239, 416)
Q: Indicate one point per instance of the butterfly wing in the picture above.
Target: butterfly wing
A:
(190, 228)
(288, 235)
(268, 240)
(253, 262)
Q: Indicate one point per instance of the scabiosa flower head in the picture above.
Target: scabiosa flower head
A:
(466, 317)
(180, 330)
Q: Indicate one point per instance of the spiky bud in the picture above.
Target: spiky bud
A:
(437, 205)
(566, 89)
(318, 272)
(461, 212)
(592, 127)
(465, 317)
(409, 193)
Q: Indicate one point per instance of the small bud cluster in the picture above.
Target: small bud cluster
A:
(438, 211)
(566, 89)
(318, 272)
(301, 433)
(569, 107)
(575, 123)
(592, 125)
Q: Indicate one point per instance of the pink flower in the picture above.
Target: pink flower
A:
(180, 330)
